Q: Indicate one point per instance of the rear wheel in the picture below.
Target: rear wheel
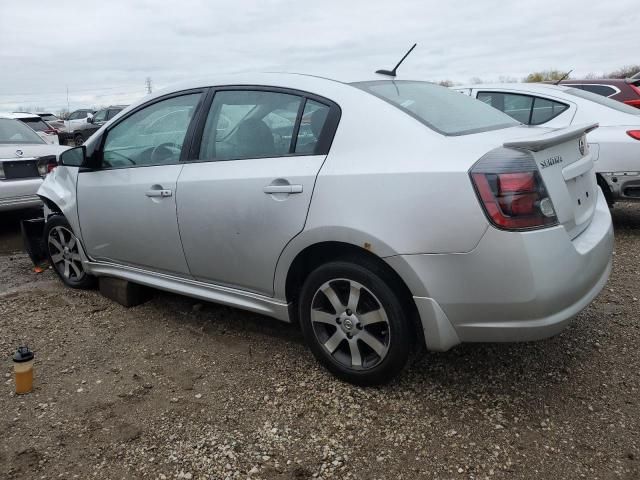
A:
(354, 323)
(78, 139)
(64, 253)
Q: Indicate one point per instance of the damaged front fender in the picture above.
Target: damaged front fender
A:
(58, 191)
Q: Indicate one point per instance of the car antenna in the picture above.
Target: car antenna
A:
(563, 77)
(392, 73)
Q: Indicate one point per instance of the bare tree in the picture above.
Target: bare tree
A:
(624, 72)
(446, 83)
(476, 81)
(545, 76)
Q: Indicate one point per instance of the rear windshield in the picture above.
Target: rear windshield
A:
(607, 102)
(446, 111)
(12, 131)
(36, 123)
(48, 117)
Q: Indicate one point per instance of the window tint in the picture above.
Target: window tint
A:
(439, 108)
(603, 90)
(13, 131)
(544, 110)
(607, 102)
(313, 119)
(249, 124)
(514, 105)
(36, 123)
(151, 136)
(100, 116)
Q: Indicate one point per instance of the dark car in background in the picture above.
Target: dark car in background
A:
(94, 123)
(624, 90)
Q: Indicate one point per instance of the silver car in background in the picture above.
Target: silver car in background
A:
(25, 159)
(381, 215)
(615, 145)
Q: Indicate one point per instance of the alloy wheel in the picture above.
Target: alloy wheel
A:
(63, 248)
(350, 323)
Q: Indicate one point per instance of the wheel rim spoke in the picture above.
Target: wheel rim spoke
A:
(356, 359)
(72, 243)
(57, 258)
(354, 298)
(375, 316)
(334, 341)
(331, 295)
(66, 269)
(56, 244)
(319, 316)
(374, 343)
(75, 268)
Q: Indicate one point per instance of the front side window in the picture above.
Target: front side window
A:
(13, 131)
(249, 124)
(100, 116)
(439, 108)
(151, 136)
(112, 113)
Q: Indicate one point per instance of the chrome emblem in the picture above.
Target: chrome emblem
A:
(19, 153)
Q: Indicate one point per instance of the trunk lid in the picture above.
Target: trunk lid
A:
(566, 166)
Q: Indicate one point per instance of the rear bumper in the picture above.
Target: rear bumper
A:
(623, 185)
(512, 286)
(18, 194)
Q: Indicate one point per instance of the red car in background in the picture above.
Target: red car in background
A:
(625, 90)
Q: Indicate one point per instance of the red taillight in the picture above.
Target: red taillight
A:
(51, 166)
(634, 134)
(511, 191)
(633, 103)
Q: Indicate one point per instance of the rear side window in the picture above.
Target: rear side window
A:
(439, 108)
(604, 90)
(249, 124)
(36, 123)
(312, 123)
(545, 109)
(526, 109)
(13, 131)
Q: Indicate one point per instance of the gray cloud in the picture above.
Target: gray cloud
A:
(103, 51)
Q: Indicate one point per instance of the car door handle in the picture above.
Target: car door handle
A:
(158, 193)
(283, 189)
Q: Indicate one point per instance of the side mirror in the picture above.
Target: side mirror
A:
(74, 157)
(89, 119)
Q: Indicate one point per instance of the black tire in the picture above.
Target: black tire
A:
(78, 139)
(602, 183)
(64, 260)
(376, 288)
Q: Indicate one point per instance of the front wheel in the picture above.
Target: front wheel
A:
(64, 253)
(78, 139)
(354, 323)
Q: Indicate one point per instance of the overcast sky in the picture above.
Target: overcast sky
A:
(104, 50)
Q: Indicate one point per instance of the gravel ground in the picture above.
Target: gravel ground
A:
(179, 389)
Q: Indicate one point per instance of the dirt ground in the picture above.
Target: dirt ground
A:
(177, 388)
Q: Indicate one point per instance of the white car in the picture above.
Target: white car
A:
(44, 131)
(403, 214)
(76, 121)
(615, 145)
(24, 160)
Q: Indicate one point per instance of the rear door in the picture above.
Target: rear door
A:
(247, 191)
(127, 206)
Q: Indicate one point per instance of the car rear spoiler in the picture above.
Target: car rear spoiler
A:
(549, 139)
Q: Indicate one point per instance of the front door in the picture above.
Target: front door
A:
(127, 207)
(248, 193)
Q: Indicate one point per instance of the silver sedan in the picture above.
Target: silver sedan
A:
(383, 216)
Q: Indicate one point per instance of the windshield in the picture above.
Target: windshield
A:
(446, 111)
(14, 131)
(604, 101)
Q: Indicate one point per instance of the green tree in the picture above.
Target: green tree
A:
(545, 76)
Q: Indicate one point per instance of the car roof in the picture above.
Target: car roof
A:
(18, 115)
(596, 81)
